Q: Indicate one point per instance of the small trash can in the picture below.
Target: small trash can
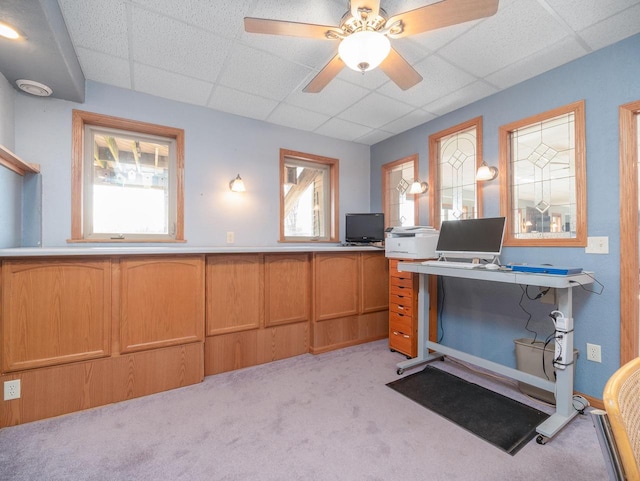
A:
(529, 359)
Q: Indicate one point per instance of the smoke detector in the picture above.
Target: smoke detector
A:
(34, 88)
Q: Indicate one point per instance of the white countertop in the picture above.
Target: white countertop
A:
(164, 250)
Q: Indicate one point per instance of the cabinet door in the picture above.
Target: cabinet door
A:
(234, 293)
(336, 285)
(374, 282)
(287, 286)
(161, 302)
(54, 312)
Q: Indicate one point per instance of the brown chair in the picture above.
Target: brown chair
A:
(622, 403)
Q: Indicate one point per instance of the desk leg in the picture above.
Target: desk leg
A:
(565, 411)
(423, 329)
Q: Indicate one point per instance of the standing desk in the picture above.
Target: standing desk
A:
(563, 386)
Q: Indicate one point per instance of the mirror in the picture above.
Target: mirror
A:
(543, 193)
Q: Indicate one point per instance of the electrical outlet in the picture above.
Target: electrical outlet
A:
(594, 353)
(11, 390)
(231, 238)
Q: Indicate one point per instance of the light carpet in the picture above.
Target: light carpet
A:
(324, 417)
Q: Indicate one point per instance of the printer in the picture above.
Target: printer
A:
(415, 242)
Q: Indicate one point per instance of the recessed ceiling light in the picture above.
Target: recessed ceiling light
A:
(34, 88)
(8, 31)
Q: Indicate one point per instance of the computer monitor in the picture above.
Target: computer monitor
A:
(471, 238)
(364, 228)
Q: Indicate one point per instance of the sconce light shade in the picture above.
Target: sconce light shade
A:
(237, 185)
(486, 172)
(364, 50)
(418, 187)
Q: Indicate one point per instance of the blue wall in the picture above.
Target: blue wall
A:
(218, 146)
(605, 79)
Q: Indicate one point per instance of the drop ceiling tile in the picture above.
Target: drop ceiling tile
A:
(97, 25)
(566, 50)
(310, 52)
(297, 118)
(439, 79)
(170, 85)
(580, 14)
(333, 99)
(375, 110)
(175, 46)
(241, 103)
(341, 129)
(460, 98)
(374, 137)
(222, 17)
(320, 13)
(613, 29)
(261, 73)
(408, 121)
(104, 68)
(515, 32)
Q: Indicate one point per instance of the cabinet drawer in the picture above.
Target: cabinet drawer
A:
(400, 322)
(402, 296)
(399, 281)
(405, 292)
(400, 275)
(404, 309)
(400, 342)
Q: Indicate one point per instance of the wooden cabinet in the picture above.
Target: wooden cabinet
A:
(257, 309)
(350, 299)
(234, 293)
(84, 332)
(403, 310)
(54, 312)
(161, 302)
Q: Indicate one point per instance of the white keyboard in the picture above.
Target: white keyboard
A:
(453, 264)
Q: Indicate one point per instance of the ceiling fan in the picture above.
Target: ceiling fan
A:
(364, 34)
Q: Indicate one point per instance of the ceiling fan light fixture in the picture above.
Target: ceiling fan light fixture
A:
(364, 51)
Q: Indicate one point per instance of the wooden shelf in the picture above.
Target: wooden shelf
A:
(12, 162)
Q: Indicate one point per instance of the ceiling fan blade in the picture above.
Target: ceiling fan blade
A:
(442, 14)
(399, 70)
(325, 75)
(292, 29)
(373, 5)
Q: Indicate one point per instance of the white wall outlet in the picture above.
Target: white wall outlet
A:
(594, 353)
(11, 390)
(231, 237)
(597, 245)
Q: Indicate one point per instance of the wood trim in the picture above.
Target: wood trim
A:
(334, 175)
(434, 172)
(79, 120)
(12, 162)
(629, 262)
(504, 132)
(386, 168)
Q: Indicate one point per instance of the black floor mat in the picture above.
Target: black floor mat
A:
(503, 422)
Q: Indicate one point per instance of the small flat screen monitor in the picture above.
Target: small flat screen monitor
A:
(471, 238)
(364, 228)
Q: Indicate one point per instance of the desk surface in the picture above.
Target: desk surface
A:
(506, 276)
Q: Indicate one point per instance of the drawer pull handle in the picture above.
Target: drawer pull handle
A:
(405, 336)
(396, 333)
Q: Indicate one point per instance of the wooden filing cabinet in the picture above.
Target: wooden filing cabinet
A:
(403, 310)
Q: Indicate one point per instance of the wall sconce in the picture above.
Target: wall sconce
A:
(237, 185)
(418, 187)
(486, 172)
